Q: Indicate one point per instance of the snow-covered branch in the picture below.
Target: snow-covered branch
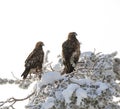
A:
(93, 81)
(91, 86)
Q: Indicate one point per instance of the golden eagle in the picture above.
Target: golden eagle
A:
(34, 60)
(70, 52)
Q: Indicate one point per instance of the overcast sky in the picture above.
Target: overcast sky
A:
(24, 22)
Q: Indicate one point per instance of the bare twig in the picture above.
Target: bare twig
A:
(14, 76)
(46, 56)
(48, 64)
(13, 100)
(51, 68)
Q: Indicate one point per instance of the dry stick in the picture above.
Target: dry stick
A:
(14, 76)
(51, 68)
(14, 100)
(49, 64)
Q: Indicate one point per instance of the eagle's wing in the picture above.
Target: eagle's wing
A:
(67, 50)
(29, 57)
(32, 59)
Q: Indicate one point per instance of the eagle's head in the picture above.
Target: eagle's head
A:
(72, 35)
(117, 60)
(39, 44)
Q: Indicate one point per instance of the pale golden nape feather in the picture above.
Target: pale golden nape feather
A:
(34, 60)
(70, 52)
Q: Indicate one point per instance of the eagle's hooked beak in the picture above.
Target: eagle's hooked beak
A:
(76, 34)
(43, 44)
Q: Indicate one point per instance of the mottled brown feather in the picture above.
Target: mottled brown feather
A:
(70, 52)
(34, 60)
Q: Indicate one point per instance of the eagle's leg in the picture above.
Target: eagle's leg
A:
(30, 75)
(38, 72)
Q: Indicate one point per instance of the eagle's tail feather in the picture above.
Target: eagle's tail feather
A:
(68, 68)
(25, 73)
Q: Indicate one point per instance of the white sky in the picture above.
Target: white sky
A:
(24, 22)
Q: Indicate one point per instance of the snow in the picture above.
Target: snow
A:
(102, 87)
(74, 88)
(50, 77)
(57, 67)
(59, 95)
(67, 94)
(82, 81)
(87, 54)
(49, 103)
(80, 94)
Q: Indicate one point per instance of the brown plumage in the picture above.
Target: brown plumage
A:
(116, 68)
(34, 60)
(70, 52)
